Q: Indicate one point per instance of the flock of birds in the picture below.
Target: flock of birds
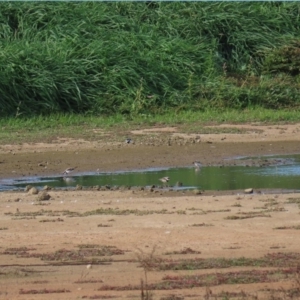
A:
(164, 180)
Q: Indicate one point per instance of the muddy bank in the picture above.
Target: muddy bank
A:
(151, 147)
(16, 163)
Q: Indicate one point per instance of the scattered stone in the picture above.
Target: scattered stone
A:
(248, 191)
(33, 191)
(197, 192)
(44, 196)
(27, 188)
(78, 187)
(47, 188)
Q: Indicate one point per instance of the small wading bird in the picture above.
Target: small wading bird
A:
(164, 180)
(197, 165)
(68, 171)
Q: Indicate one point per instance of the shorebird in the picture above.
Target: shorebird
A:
(128, 141)
(68, 171)
(197, 165)
(165, 180)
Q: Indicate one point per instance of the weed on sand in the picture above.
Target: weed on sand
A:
(184, 251)
(115, 211)
(99, 211)
(297, 227)
(201, 225)
(86, 254)
(293, 201)
(279, 260)
(171, 282)
(43, 291)
(247, 215)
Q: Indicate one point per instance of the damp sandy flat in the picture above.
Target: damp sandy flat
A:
(98, 244)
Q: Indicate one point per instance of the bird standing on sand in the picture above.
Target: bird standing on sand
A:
(68, 171)
(197, 165)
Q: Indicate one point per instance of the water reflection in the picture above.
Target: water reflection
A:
(206, 178)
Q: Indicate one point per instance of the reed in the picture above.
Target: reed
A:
(136, 58)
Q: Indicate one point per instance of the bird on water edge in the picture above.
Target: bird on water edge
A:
(68, 170)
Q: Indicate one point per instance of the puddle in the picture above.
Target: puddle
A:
(284, 175)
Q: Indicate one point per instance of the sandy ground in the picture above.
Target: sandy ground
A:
(100, 244)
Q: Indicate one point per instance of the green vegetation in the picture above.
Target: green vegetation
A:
(143, 59)
(91, 127)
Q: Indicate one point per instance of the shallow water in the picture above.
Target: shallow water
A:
(282, 176)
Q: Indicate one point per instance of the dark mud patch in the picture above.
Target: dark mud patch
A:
(128, 157)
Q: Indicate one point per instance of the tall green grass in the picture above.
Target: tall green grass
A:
(138, 59)
(61, 121)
